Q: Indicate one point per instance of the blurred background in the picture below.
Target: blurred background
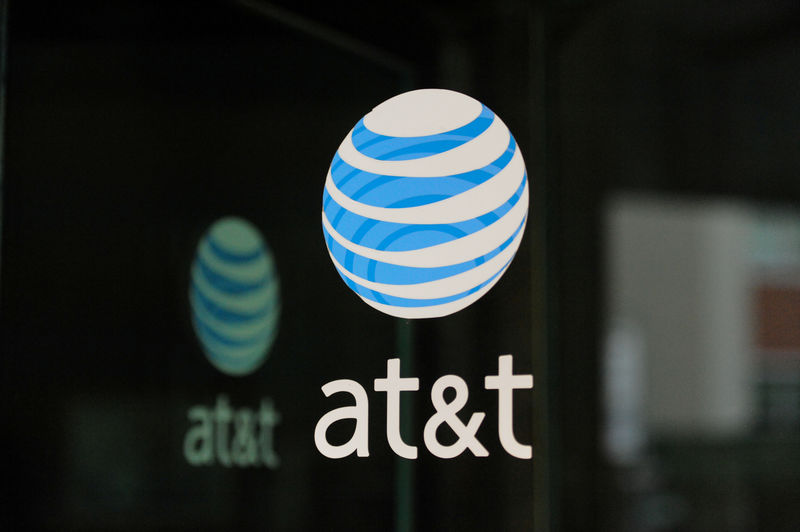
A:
(655, 297)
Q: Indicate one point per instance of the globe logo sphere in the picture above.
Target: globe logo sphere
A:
(234, 296)
(425, 204)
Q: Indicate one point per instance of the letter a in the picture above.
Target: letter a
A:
(359, 412)
(198, 446)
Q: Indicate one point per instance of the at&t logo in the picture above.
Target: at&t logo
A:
(424, 207)
(235, 305)
(234, 296)
(425, 204)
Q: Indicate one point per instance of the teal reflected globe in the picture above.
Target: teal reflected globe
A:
(235, 296)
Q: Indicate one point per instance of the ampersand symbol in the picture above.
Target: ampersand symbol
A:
(446, 413)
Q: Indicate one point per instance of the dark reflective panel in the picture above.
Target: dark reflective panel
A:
(170, 311)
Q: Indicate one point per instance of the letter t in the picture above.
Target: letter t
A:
(505, 382)
(393, 385)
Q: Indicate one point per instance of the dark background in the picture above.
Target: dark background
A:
(131, 126)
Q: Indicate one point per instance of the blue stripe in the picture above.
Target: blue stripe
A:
(388, 148)
(228, 285)
(389, 191)
(386, 273)
(208, 331)
(232, 256)
(230, 362)
(223, 314)
(395, 301)
(393, 236)
(233, 363)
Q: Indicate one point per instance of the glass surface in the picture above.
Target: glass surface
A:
(701, 361)
(653, 298)
(163, 160)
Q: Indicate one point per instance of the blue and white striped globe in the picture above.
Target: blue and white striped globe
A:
(235, 297)
(425, 204)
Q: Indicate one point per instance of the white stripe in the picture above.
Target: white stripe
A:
(248, 272)
(463, 249)
(475, 202)
(246, 302)
(239, 331)
(433, 311)
(225, 358)
(476, 153)
(449, 286)
(423, 112)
